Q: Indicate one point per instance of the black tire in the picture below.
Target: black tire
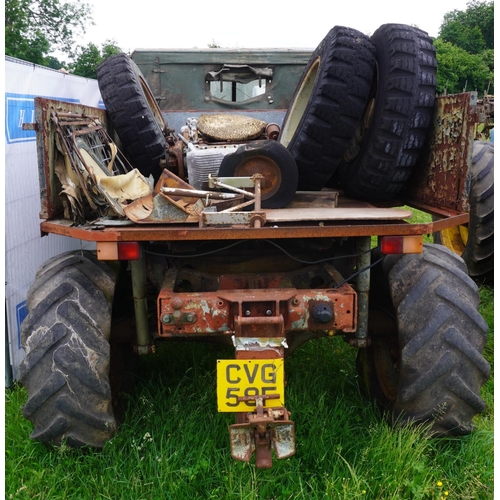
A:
(328, 104)
(474, 242)
(381, 157)
(134, 113)
(427, 367)
(270, 159)
(67, 353)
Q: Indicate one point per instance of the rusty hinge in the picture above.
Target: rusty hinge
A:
(30, 126)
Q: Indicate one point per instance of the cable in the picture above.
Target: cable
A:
(196, 255)
(267, 241)
(358, 272)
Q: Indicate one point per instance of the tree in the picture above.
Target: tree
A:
(472, 29)
(459, 70)
(86, 59)
(33, 28)
(464, 49)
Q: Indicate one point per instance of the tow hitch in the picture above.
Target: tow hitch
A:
(252, 385)
(264, 428)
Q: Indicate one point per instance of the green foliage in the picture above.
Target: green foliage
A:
(33, 28)
(174, 445)
(472, 29)
(459, 70)
(465, 49)
(86, 59)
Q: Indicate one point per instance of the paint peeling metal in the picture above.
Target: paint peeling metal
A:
(442, 177)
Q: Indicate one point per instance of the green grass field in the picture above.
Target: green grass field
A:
(174, 444)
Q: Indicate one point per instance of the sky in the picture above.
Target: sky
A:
(245, 24)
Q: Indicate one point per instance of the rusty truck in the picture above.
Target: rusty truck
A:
(261, 199)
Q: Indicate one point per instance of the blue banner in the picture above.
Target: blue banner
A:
(19, 109)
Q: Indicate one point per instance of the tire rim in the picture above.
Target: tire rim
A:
(385, 352)
(300, 103)
(455, 238)
(153, 106)
(265, 166)
(361, 132)
(364, 125)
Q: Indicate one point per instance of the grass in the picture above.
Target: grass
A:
(174, 444)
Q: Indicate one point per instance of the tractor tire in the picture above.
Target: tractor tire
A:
(425, 363)
(474, 242)
(134, 113)
(382, 155)
(67, 354)
(328, 104)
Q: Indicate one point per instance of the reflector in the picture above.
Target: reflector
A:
(401, 244)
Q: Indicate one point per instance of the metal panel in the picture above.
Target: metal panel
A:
(442, 178)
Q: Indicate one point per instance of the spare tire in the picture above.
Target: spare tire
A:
(134, 113)
(329, 102)
(381, 156)
(270, 159)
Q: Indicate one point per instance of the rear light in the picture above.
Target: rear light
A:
(123, 250)
(401, 244)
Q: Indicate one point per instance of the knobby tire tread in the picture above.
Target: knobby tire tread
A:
(121, 85)
(404, 101)
(339, 96)
(441, 337)
(66, 341)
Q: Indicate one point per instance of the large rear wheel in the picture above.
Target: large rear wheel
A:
(67, 354)
(425, 364)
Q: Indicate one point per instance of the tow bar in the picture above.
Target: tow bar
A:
(265, 428)
(250, 382)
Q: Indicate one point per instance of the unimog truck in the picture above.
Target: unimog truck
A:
(260, 198)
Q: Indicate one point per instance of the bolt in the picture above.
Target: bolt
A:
(190, 317)
(166, 318)
(247, 313)
(269, 312)
(176, 303)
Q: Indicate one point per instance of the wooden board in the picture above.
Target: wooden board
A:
(336, 214)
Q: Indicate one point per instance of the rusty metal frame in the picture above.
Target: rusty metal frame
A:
(186, 232)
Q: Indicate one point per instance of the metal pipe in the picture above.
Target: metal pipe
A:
(363, 246)
(139, 292)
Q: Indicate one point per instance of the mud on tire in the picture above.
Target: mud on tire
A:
(437, 367)
(382, 155)
(329, 101)
(66, 366)
(134, 113)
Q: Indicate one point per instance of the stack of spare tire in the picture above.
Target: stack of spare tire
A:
(362, 109)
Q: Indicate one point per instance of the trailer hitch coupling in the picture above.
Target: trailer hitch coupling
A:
(264, 429)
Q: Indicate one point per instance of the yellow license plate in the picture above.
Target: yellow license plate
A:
(248, 378)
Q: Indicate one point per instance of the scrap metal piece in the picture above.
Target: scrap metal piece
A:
(229, 127)
(443, 176)
(172, 202)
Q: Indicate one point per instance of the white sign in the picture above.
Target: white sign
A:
(25, 249)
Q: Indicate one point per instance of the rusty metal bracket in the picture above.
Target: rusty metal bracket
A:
(231, 216)
(265, 428)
